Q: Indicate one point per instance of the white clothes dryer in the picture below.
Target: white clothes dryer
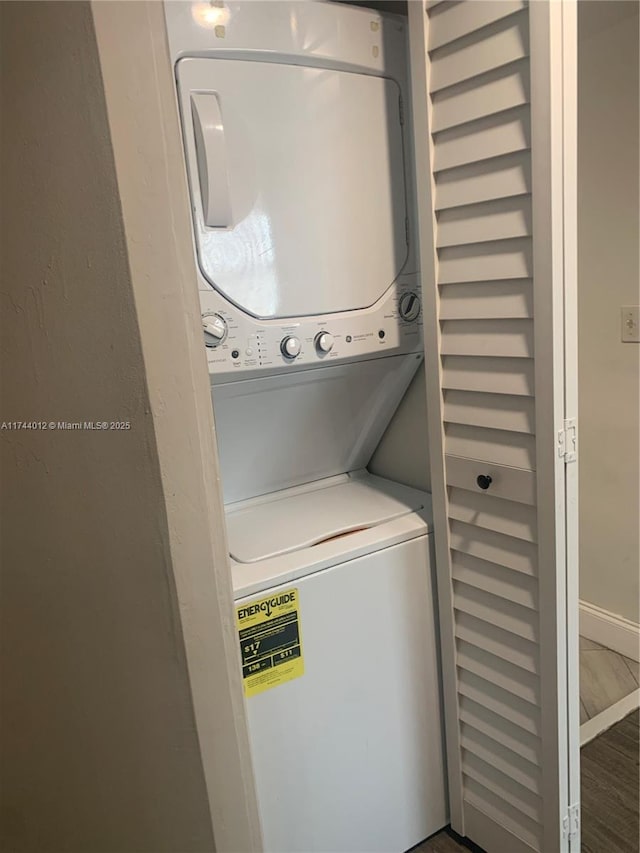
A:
(294, 126)
(347, 748)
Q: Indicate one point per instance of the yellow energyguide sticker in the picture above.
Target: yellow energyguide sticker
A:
(270, 641)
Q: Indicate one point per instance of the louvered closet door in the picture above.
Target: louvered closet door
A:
(490, 108)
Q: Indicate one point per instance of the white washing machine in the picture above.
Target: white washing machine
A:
(348, 752)
(294, 117)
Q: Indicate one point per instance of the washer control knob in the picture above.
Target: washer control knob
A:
(409, 307)
(290, 347)
(324, 342)
(214, 328)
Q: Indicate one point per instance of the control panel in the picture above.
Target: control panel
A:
(240, 346)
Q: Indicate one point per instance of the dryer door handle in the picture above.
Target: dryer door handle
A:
(211, 154)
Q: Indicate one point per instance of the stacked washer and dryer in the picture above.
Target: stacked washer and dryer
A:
(294, 119)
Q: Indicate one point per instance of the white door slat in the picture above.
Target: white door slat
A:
(487, 300)
(518, 620)
(486, 261)
(513, 484)
(502, 177)
(498, 44)
(498, 671)
(509, 338)
(502, 644)
(516, 554)
(503, 88)
(502, 516)
(488, 799)
(485, 222)
(514, 738)
(521, 798)
(495, 579)
(505, 651)
(500, 447)
(504, 704)
(482, 139)
(527, 835)
(453, 21)
(488, 375)
(494, 411)
(503, 759)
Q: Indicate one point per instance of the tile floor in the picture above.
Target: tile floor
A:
(605, 678)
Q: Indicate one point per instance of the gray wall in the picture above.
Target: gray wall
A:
(608, 278)
(403, 452)
(99, 747)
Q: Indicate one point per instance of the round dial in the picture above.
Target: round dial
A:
(324, 342)
(409, 307)
(290, 346)
(214, 328)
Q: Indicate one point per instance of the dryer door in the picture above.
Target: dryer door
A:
(297, 184)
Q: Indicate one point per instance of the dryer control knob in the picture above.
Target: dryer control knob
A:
(409, 307)
(324, 342)
(214, 328)
(290, 347)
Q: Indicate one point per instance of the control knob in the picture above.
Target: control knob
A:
(214, 328)
(484, 481)
(290, 347)
(409, 307)
(324, 342)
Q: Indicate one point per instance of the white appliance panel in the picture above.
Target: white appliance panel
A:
(292, 512)
(303, 32)
(284, 430)
(251, 348)
(349, 757)
(297, 182)
(257, 532)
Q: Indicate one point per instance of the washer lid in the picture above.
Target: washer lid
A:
(297, 184)
(282, 524)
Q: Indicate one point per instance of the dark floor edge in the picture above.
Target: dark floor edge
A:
(459, 839)
(464, 842)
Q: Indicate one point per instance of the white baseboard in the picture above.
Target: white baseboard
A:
(610, 630)
(609, 717)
